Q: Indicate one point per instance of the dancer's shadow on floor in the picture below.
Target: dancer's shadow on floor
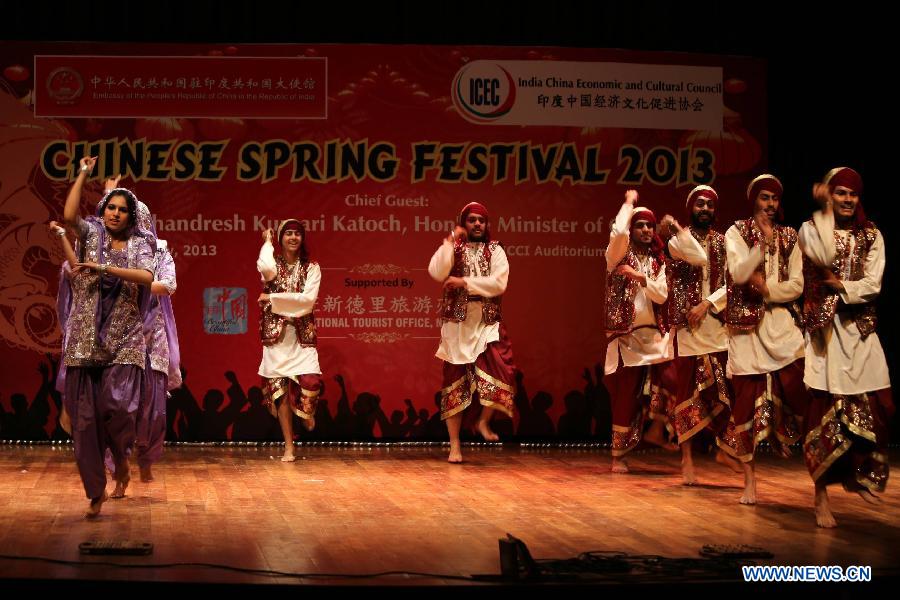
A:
(639, 471)
(712, 486)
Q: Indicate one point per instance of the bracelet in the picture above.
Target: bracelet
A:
(60, 232)
(103, 268)
(84, 168)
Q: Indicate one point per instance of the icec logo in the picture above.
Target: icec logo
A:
(483, 91)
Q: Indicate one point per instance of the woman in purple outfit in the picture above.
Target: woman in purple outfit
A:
(105, 349)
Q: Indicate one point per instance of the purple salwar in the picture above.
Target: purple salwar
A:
(151, 419)
(102, 403)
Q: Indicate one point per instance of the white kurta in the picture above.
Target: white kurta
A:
(711, 336)
(777, 341)
(644, 345)
(462, 342)
(286, 357)
(838, 359)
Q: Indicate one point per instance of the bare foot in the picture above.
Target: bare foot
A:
(655, 438)
(93, 510)
(309, 424)
(288, 453)
(749, 496)
(723, 458)
(687, 473)
(824, 518)
(455, 454)
(121, 486)
(619, 465)
(869, 496)
(123, 477)
(485, 430)
(146, 474)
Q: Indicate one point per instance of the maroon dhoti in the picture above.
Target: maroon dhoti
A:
(846, 439)
(636, 395)
(301, 396)
(492, 375)
(701, 397)
(767, 405)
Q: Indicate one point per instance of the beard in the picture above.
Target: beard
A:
(696, 221)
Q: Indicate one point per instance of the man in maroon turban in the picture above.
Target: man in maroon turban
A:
(765, 342)
(700, 395)
(476, 351)
(637, 330)
(846, 429)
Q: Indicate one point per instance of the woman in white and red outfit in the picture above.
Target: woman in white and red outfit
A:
(292, 378)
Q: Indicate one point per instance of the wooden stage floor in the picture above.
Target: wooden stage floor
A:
(358, 510)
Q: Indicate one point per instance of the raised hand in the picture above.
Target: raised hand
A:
(822, 196)
(458, 233)
(89, 162)
(111, 183)
(668, 226)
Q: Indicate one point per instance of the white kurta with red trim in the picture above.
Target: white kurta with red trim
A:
(838, 359)
(462, 342)
(776, 341)
(644, 344)
(286, 357)
(711, 336)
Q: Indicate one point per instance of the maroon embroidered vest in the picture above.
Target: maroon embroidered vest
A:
(620, 294)
(455, 303)
(746, 305)
(686, 280)
(290, 279)
(820, 302)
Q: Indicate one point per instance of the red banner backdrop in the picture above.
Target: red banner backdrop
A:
(377, 148)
